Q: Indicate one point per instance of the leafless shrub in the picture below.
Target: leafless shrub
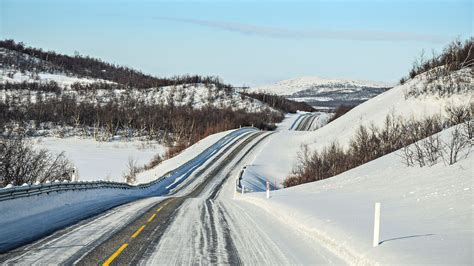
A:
(157, 159)
(458, 114)
(440, 75)
(369, 143)
(20, 163)
(455, 56)
(130, 176)
(432, 148)
(408, 156)
(457, 143)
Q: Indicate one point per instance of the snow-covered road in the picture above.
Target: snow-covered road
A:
(216, 229)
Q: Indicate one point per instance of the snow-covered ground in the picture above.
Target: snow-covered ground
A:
(63, 80)
(97, 160)
(427, 213)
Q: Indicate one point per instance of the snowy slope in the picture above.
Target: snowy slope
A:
(427, 213)
(277, 165)
(63, 80)
(195, 95)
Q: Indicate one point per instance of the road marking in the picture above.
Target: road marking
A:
(115, 255)
(138, 231)
(152, 217)
(122, 247)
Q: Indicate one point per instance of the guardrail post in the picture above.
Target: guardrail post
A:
(377, 225)
(73, 174)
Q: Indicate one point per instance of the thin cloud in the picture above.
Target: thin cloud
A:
(282, 33)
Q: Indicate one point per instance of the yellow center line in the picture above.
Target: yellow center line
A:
(116, 253)
(138, 231)
(122, 247)
(152, 217)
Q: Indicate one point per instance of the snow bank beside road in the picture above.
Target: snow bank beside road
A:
(427, 213)
(181, 158)
(25, 219)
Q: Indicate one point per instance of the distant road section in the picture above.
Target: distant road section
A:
(307, 122)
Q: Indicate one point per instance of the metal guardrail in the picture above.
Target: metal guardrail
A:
(46, 188)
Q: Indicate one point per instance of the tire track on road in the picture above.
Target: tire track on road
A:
(141, 246)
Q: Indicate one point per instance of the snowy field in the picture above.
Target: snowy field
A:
(101, 160)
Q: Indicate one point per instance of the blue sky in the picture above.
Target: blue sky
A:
(243, 42)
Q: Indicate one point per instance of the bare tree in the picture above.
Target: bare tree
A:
(20, 163)
(432, 148)
(456, 144)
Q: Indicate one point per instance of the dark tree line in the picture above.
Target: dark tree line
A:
(86, 66)
(370, 143)
(280, 102)
(176, 124)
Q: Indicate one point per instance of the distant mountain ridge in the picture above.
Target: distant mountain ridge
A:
(325, 93)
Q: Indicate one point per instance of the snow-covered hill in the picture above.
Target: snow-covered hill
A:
(195, 95)
(84, 89)
(373, 111)
(322, 92)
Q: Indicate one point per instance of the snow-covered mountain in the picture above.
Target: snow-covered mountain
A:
(321, 92)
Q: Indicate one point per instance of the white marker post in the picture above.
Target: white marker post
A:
(377, 224)
(268, 190)
(73, 178)
(243, 189)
